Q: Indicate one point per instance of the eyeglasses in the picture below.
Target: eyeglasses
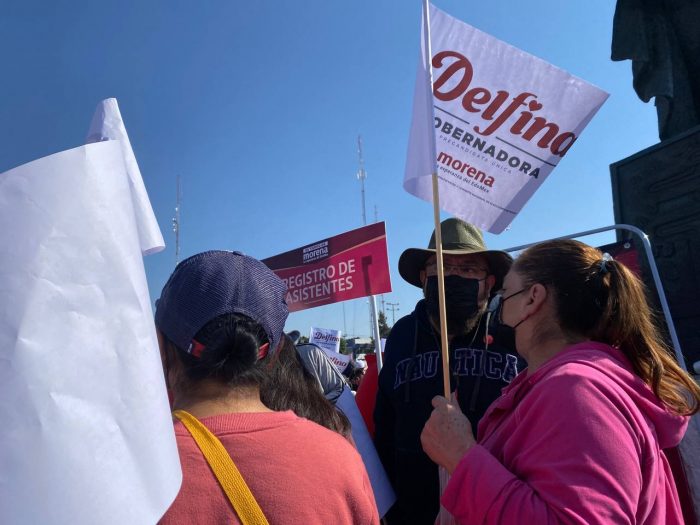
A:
(463, 270)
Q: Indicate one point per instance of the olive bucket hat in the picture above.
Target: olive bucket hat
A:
(458, 238)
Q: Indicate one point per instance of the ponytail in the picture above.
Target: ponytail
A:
(602, 300)
(628, 323)
(231, 343)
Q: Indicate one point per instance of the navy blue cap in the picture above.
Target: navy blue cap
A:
(215, 283)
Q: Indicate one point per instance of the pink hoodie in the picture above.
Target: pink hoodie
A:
(579, 441)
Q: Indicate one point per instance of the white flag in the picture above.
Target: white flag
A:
(107, 124)
(384, 494)
(340, 361)
(86, 434)
(326, 338)
(496, 124)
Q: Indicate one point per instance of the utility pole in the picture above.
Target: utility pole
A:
(373, 317)
(176, 221)
(394, 307)
(345, 326)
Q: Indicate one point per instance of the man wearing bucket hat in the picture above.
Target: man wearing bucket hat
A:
(412, 372)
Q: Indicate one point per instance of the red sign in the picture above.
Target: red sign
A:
(626, 253)
(350, 265)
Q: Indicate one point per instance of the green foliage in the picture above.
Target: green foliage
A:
(384, 329)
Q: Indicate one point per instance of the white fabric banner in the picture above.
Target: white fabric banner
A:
(340, 361)
(383, 493)
(326, 338)
(498, 122)
(107, 124)
(86, 433)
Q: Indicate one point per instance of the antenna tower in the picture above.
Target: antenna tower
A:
(361, 176)
(373, 317)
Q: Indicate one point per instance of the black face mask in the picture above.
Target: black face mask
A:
(461, 302)
(501, 334)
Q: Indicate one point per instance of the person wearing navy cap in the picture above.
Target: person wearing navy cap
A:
(219, 315)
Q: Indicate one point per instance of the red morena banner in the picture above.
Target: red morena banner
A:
(350, 265)
(626, 253)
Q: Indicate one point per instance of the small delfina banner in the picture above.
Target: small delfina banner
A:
(347, 266)
(326, 338)
(493, 125)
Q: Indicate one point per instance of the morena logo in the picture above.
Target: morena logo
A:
(475, 100)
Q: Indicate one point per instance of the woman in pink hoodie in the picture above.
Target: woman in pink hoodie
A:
(578, 436)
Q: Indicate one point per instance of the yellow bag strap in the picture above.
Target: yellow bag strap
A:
(225, 470)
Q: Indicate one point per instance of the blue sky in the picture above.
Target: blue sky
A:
(257, 106)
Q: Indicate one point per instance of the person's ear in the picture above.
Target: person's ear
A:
(490, 283)
(536, 297)
(169, 362)
(162, 346)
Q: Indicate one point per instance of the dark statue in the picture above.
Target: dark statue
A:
(662, 38)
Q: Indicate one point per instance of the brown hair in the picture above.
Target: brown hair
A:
(289, 386)
(604, 301)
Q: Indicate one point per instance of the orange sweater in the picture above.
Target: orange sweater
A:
(298, 471)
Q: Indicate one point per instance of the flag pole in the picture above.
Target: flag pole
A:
(436, 211)
(443, 516)
(441, 290)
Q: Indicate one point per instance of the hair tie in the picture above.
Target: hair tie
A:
(196, 348)
(603, 264)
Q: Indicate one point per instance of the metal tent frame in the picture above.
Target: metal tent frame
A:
(644, 238)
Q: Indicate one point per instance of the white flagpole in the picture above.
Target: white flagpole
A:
(436, 210)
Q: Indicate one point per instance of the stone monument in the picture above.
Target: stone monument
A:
(658, 189)
(662, 38)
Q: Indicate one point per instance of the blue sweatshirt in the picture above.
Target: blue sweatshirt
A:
(410, 378)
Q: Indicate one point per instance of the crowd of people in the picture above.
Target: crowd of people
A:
(550, 356)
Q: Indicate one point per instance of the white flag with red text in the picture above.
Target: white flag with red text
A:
(497, 122)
